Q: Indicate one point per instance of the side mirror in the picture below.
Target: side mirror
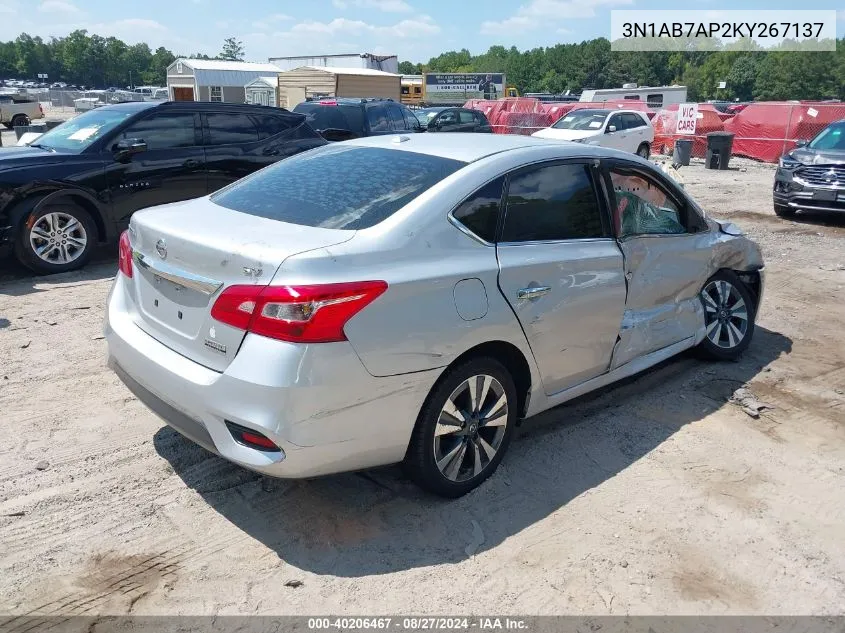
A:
(610, 128)
(127, 147)
(801, 142)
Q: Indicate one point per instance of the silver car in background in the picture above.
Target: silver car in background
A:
(408, 299)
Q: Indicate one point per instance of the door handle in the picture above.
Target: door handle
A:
(532, 292)
(191, 162)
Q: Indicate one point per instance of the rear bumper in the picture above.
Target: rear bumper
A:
(316, 402)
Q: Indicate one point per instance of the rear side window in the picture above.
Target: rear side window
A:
(466, 116)
(480, 212)
(554, 202)
(337, 186)
(230, 128)
(269, 125)
(164, 130)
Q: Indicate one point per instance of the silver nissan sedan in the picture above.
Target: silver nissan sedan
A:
(410, 298)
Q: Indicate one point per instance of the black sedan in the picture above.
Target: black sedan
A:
(78, 184)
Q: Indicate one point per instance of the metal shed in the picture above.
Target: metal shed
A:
(262, 91)
(322, 81)
(213, 79)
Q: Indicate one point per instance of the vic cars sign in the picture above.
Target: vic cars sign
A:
(457, 88)
(687, 116)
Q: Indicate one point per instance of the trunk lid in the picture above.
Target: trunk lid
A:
(185, 254)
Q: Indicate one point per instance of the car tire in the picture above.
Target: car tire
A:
(644, 151)
(449, 462)
(58, 238)
(784, 211)
(729, 315)
(20, 120)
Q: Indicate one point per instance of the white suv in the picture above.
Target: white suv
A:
(628, 130)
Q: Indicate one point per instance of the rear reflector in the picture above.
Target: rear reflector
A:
(250, 438)
(124, 255)
(301, 314)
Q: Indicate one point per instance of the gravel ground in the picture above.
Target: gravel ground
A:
(656, 496)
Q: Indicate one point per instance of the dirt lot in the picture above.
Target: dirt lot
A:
(657, 496)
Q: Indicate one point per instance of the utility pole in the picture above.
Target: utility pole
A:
(130, 80)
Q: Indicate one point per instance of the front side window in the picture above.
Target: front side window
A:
(397, 118)
(166, 130)
(617, 122)
(642, 207)
(480, 212)
(230, 128)
(553, 202)
(411, 120)
(367, 185)
(216, 93)
(379, 121)
(633, 121)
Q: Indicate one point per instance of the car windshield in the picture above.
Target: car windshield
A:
(830, 138)
(337, 186)
(79, 132)
(582, 120)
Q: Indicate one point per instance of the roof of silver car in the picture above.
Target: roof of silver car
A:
(470, 147)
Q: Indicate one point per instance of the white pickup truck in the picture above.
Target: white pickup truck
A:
(15, 112)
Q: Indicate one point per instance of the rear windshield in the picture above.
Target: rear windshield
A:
(337, 186)
(333, 117)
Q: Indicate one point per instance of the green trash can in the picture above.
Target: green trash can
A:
(719, 146)
(683, 152)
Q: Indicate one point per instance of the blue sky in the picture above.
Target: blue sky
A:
(413, 29)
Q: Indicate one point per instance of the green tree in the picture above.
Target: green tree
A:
(408, 68)
(233, 50)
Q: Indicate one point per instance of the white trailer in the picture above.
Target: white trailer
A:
(655, 97)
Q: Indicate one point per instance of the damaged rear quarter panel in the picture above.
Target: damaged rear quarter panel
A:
(665, 275)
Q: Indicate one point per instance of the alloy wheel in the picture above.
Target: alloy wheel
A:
(58, 238)
(725, 314)
(471, 427)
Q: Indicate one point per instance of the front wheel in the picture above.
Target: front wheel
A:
(464, 428)
(728, 316)
(58, 238)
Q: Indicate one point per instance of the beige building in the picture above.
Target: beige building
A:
(299, 84)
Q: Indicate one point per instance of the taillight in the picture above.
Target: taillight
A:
(124, 254)
(252, 439)
(301, 314)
